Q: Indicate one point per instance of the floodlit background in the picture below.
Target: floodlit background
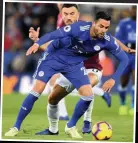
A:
(19, 17)
(18, 69)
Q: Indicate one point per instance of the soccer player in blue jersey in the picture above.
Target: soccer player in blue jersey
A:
(72, 45)
(126, 33)
(70, 14)
(63, 87)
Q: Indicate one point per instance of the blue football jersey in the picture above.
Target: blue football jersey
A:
(76, 45)
(73, 44)
(126, 32)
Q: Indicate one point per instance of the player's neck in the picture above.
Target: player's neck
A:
(92, 33)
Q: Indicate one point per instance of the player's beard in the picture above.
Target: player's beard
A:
(101, 35)
(97, 34)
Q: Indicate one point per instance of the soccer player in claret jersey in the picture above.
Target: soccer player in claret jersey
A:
(72, 45)
(126, 33)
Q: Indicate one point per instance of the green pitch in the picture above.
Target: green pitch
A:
(37, 120)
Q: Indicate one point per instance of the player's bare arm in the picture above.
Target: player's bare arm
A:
(124, 47)
(32, 49)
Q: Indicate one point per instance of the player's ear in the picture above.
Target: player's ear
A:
(93, 23)
(78, 16)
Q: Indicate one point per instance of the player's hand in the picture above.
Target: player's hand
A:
(131, 51)
(33, 35)
(32, 49)
(107, 86)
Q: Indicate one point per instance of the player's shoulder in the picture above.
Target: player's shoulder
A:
(110, 41)
(108, 36)
(83, 24)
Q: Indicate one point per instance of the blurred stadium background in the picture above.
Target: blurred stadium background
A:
(19, 17)
(18, 69)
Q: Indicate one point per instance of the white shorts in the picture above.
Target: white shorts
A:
(65, 83)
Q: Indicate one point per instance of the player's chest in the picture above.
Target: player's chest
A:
(91, 46)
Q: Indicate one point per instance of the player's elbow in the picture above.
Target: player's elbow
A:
(125, 60)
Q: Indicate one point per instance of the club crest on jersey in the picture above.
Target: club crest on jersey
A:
(97, 48)
(41, 73)
(67, 28)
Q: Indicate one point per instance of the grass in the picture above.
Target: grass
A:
(37, 120)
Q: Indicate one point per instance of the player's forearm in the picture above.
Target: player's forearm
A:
(123, 59)
(122, 46)
(44, 46)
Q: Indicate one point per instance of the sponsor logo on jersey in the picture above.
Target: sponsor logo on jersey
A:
(41, 73)
(67, 28)
(97, 48)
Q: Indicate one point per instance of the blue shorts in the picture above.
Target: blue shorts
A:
(131, 65)
(76, 74)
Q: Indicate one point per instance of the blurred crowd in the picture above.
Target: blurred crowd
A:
(19, 17)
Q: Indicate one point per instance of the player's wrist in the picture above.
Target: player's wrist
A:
(36, 44)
